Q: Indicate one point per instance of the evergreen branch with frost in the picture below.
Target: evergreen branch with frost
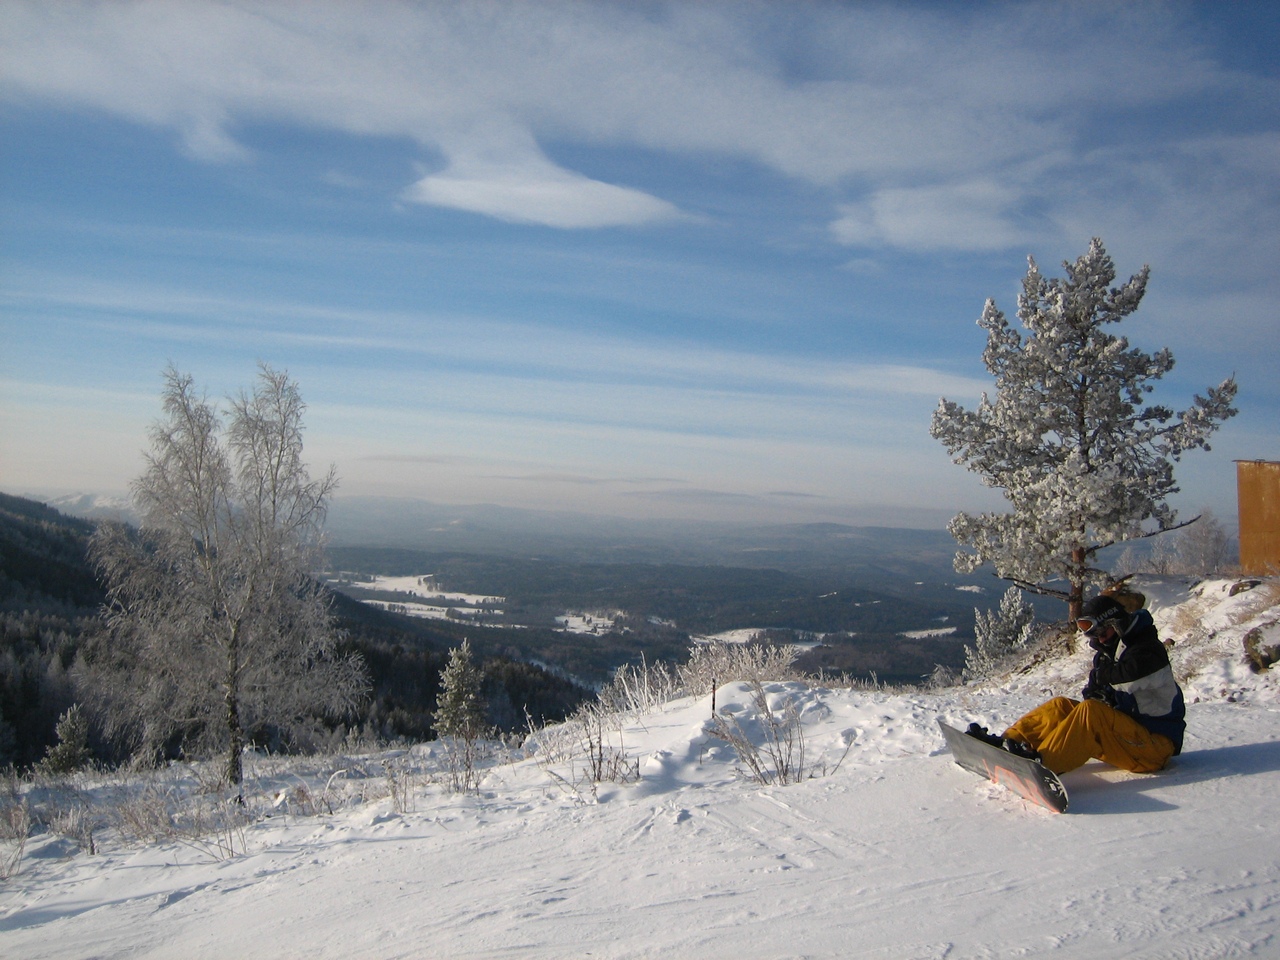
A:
(998, 634)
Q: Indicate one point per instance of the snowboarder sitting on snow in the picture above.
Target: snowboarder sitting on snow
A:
(1132, 715)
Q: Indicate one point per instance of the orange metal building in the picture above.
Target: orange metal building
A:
(1258, 490)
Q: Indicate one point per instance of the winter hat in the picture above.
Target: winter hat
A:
(1102, 610)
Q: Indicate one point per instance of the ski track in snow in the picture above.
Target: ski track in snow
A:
(896, 854)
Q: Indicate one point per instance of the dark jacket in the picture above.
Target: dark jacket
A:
(1140, 682)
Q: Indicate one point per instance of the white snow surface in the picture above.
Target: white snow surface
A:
(889, 851)
(588, 623)
(926, 634)
(435, 604)
(420, 586)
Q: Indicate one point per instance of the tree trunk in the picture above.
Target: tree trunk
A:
(1076, 598)
(235, 732)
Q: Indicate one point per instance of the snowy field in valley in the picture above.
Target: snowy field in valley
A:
(888, 850)
(418, 596)
(588, 623)
(927, 634)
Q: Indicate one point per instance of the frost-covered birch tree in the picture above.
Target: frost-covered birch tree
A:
(1082, 458)
(216, 628)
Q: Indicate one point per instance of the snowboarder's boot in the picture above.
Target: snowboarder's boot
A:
(1016, 747)
(979, 732)
(1020, 749)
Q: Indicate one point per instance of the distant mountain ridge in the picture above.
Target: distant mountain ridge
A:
(870, 553)
(92, 506)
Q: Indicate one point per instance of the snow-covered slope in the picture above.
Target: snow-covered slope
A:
(889, 850)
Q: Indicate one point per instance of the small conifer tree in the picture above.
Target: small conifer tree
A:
(460, 716)
(71, 752)
(460, 708)
(998, 633)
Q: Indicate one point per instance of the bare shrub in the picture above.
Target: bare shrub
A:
(605, 762)
(584, 750)
(717, 662)
(639, 688)
(302, 801)
(590, 743)
(216, 827)
(215, 824)
(15, 826)
(142, 814)
(402, 783)
(70, 815)
(780, 756)
(557, 743)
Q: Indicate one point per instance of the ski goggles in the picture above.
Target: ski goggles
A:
(1090, 628)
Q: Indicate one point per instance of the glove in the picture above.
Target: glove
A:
(1095, 689)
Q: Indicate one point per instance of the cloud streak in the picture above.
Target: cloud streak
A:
(538, 192)
(479, 345)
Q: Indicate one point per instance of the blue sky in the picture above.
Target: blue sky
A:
(681, 260)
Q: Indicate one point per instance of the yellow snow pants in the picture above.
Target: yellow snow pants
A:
(1068, 733)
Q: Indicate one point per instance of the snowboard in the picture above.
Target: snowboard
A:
(1027, 778)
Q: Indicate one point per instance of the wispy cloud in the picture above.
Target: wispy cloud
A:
(517, 183)
(483, 346)
(978, 215)
(585, 480)
(898, 109)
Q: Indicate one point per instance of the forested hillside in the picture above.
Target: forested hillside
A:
(49, 598)
(50, 604)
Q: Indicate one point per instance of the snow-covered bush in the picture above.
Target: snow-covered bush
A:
(643, 686)
(636, 688)
(15, 826)
(71, 752)
(585, 750)
(712, 664)
(775, 753)
(998, 634)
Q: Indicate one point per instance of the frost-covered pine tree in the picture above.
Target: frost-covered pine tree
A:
(998, 633)
(71, 752)
(1081, 458)
(460, 717)
(460, 708)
